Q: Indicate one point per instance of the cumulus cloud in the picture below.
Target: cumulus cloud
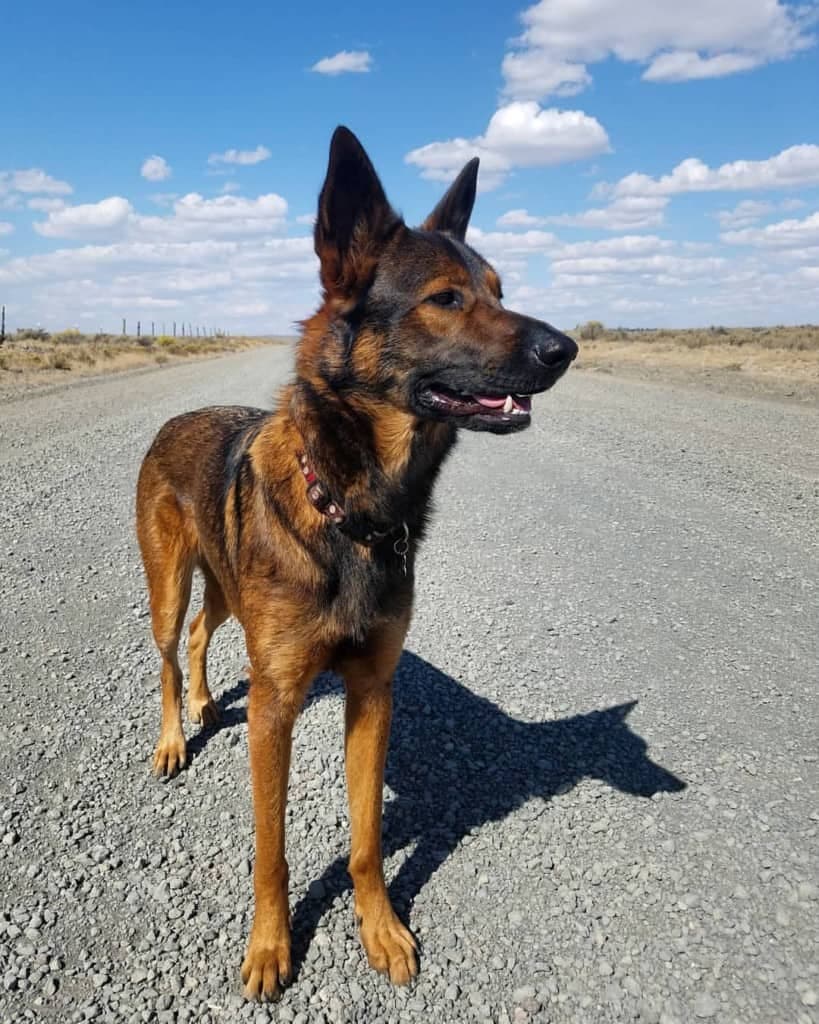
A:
(786, 234)
(193, 217)
(242, 157)
(44, 205)
(5, 227)
(749, 211)
(32, 181)
(797, 165)
(519, 219)
(518, 135)
(686, 65)
(500, 244)
(344, 62)
(208, 281)
(155, 168)
(86, 218)
(626, 213)
(675, 42)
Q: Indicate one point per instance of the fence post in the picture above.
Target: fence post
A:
(153, 332)
(2, 325)
(139, 328)
(123, 327)
(174, 328)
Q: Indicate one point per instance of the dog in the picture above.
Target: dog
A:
(305, 521)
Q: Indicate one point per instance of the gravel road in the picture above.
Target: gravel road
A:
(602, 786)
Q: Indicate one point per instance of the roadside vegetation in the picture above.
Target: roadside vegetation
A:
(32, 351)
(779, 357)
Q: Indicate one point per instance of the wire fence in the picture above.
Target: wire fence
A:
(158, 329)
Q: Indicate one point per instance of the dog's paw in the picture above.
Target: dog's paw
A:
(390, 947)
(204, 713)
(266, 970)
(170, 754)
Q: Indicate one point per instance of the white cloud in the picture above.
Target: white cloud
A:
(658, 263)
(45, 205)
(243, 157)
(625, 245)
(32, 181)
(697, 39)
(86, 218)
(501, 244)
(205, 282)
(518, 135)
(627, 213)
(306, 218)
(231, 186)
(786, 234)
(255, 259)
(193, 217)
(749, 211)
(532, 74)
(745, 213)
(519, 219)
(687, 65)
(155, 168)
(5, 227)
(798, 165)
(636, 305)
(343, 62)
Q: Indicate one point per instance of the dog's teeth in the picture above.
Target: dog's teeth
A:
(509, 404)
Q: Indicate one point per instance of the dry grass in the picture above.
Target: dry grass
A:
(773, 358)
(32, 354)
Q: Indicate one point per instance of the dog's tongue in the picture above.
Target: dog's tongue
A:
(490, 403)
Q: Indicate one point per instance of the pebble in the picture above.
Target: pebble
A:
(705, 1005)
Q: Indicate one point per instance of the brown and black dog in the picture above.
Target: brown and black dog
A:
(305, 521)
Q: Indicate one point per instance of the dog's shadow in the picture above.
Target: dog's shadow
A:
(457, 762)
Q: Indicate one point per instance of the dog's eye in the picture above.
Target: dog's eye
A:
(449, 299)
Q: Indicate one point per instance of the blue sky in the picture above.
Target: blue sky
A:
(643, 163)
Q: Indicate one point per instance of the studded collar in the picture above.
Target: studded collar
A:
(318, 494)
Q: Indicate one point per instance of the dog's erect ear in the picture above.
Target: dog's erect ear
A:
(454, 210)
(354, 218)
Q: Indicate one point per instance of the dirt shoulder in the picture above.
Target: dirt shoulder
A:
(776, 363)
(35, 364)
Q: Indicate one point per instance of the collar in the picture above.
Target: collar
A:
(318, 494)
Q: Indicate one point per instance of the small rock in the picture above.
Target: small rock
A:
(809, 997)
(705, 1005)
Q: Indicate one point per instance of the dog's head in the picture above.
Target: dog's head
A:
(416, 315)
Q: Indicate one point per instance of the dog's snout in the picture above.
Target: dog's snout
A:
(552, 349)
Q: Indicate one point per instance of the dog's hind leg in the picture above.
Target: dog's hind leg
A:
(368, 680)
(168, 555)
(201, 707)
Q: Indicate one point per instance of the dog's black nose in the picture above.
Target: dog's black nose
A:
(552, 348)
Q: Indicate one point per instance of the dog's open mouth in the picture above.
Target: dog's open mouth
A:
(499, 407)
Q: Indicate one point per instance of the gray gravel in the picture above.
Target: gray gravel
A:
(620, 600)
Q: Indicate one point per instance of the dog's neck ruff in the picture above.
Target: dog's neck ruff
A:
(318, 494)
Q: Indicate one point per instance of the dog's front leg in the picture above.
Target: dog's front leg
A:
(390, 946)
(274, 702)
